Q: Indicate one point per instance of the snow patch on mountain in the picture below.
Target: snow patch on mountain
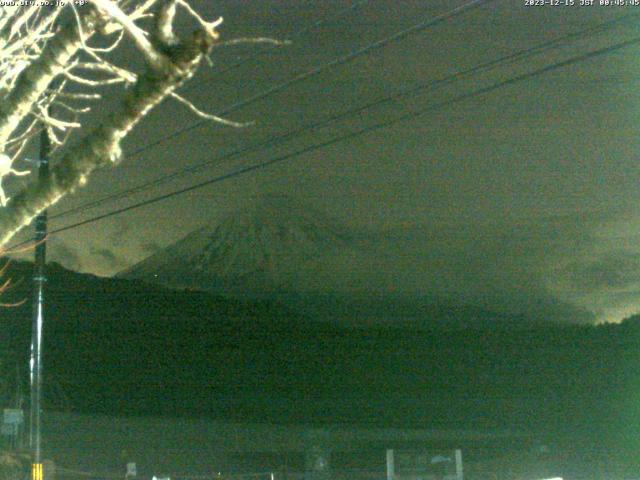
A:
(272, 244)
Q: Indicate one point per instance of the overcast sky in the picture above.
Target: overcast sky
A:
(524, 198)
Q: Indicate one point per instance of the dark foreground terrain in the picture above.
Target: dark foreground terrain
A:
(122, 347)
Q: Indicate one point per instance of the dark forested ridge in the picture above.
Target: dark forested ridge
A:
(124, 347)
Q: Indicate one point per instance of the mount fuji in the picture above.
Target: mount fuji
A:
(280, 250)
(271, 246)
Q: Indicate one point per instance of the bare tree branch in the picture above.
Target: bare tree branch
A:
(136, 33)
(34, 80)
(102, 146)
(205, 115)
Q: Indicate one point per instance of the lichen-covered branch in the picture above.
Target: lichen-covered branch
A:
(34, 80)
(137, 34)
(102, 145)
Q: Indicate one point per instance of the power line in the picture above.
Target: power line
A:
(469, 6)
(383, 42)
(275, 140)
(355, 5)
(368, 129)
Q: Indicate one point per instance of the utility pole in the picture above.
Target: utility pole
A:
(39, 280)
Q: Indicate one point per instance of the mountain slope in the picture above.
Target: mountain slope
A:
(279, 249)
(257, 250)
(125, 347)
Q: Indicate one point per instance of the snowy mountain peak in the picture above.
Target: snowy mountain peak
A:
(260, 247)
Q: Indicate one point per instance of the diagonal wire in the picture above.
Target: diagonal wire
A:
(407, 116)
(383, 42)
(355, 5)
(432, 85)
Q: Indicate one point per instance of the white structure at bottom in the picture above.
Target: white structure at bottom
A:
(424, 465)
